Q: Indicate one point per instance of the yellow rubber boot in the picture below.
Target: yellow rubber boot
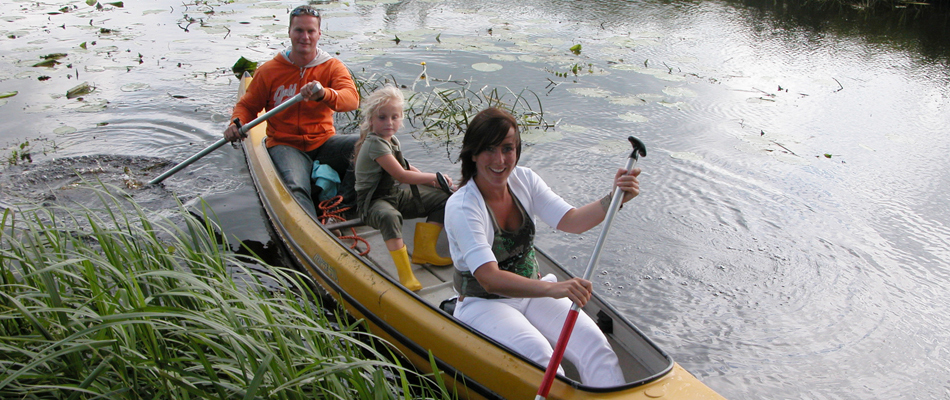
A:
(424, 248)
(406, 277)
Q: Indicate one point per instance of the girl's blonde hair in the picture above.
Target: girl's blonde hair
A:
(372, 103)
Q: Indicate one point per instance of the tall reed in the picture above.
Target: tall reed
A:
(106, 303)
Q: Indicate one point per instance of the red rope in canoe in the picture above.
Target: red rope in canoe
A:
(331, 212)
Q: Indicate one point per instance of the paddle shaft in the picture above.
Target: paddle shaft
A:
(568, 327)
(222, 141)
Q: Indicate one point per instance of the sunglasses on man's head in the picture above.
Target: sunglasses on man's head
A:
(304, 10)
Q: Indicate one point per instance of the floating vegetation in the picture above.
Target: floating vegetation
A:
(679, 105)
(632, 117)
(627, 100)
(576, 49)
(243, 65)
(64, 130)
(8, 94)
(134, 87)
(21, 152)
(80, 90)
(663, 74)
(537, 135)
(590, 92)
(503, 57)
(47, 63)
(88, 106)
(679, 92)
(107, 49)
(54, 56)
(487, 67)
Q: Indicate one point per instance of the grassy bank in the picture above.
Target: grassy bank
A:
(108, 303)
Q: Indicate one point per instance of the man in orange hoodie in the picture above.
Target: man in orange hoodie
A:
(303, 132)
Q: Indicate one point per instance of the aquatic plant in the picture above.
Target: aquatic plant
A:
(20, 152)
(443, 112)
(106, 303)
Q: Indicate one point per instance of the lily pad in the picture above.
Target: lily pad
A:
(107, 49)
(590, 92)
(95, 106)
(632, 117)
(8, 94)
(628, 100)
(572, 128)
(553, 42)
(679, 105)
(538, 136)
(487, 67)
(64, 130)
(679, 92)
(134, 87)
(528, 58)
(503, 57)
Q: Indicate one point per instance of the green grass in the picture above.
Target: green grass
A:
(108, 303)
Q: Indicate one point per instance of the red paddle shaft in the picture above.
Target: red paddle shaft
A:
(638, 150)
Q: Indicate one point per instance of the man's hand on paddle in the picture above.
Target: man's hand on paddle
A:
(313, 91)
(233, 133)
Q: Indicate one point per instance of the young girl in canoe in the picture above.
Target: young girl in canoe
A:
(382, 205)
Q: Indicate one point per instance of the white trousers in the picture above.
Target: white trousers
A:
(532, 326)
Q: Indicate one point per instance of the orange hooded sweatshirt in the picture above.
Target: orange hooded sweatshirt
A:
(307, 124)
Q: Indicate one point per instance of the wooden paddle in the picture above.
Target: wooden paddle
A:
(222, 141)
(639, 150)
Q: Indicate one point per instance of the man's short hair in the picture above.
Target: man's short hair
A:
(304, 10)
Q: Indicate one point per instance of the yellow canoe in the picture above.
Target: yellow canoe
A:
(478, 367)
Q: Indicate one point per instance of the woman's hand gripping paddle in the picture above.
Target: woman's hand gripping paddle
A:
(444, 183)
(222, 141)
(639, 150)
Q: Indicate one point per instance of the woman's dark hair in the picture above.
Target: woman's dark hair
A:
(488, 128)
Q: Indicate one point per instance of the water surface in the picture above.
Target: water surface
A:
(792, 237)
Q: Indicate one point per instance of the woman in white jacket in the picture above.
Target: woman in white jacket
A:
(490, 227)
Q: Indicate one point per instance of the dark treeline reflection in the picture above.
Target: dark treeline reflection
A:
(915, 26)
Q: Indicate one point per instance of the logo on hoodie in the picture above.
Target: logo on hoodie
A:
(282, 94)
